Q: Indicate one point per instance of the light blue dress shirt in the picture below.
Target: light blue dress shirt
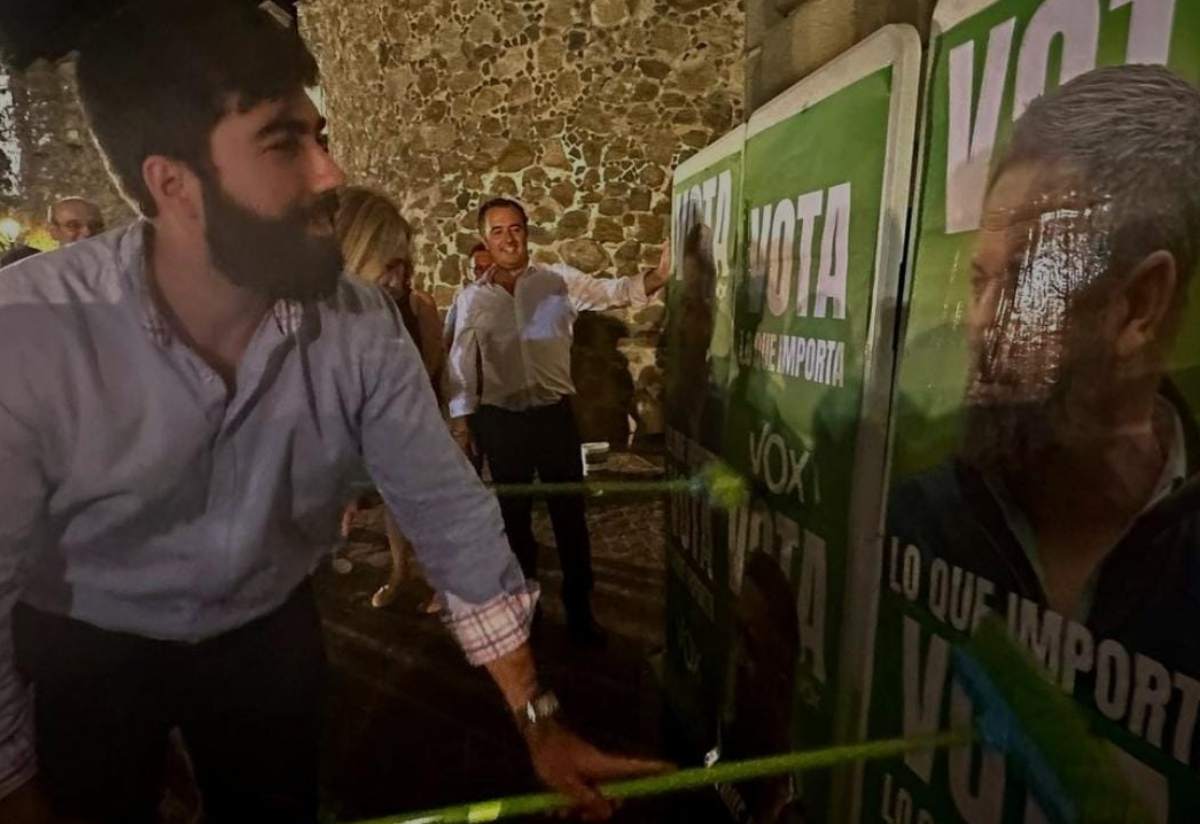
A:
(138, 496)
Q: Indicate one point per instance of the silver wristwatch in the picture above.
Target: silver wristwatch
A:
(537, 710)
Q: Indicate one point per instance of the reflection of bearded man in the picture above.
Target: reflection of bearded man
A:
(692, 330)
(767, 654)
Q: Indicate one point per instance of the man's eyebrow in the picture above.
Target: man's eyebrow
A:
(289, 125)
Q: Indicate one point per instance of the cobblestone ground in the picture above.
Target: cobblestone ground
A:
(412, 726)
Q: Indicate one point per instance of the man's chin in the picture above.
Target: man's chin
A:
(514, 263)
(1009, 439)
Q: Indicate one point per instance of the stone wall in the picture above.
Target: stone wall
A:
(579, 108)
(788, 39)
(58, 157)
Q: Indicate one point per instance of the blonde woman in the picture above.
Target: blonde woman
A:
(376, 244)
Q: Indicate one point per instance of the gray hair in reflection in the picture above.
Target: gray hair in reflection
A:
(1130, 136)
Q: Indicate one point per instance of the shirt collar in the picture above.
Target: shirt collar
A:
(488, 278)
(1175, 469)
(1174, 475)
(288, 314)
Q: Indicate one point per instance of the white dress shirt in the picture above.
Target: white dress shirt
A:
(524, 338)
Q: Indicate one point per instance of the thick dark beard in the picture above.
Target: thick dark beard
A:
(1016, 438)
(1009, 440)
(276, 257)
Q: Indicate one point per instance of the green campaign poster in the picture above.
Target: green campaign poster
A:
(1036, 474)
(826, 182)
(697, 344)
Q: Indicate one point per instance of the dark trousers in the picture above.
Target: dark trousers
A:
(248, 704)
(542, 441)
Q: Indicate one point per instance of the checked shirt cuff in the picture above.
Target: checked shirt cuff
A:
(494, 628)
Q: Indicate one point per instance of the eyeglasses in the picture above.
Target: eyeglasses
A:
(93, 226)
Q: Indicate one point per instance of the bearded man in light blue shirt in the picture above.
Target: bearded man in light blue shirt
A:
(184, 404)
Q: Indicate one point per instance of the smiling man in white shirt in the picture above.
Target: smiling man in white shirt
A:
(518, 322)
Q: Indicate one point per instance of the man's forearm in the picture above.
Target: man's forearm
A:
(657, 277)
(516, 675)
(653, 280)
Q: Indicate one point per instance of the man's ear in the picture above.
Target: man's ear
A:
(174, 186)
(1146, 299)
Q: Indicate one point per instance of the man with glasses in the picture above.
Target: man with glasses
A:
(74, 218)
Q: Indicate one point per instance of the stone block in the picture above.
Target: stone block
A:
(669, 38)
(554, 156)
(504, 186)
(584, 254)
(516, 156)
(697, 75)
(645, 90)
(450, 269)
(559, 13)
(797, 37)
(510, 63)
(607, 230)
(543, 214)
(465, 241)
(654, 69)
(608, 13)
(612, 206)
(563, 192)
(650, 228)
(573, 224)
(542, 234)
(812, 35)
(652, 176)
(615, 188)
(550, 53)
(629, 251)
(639, 200)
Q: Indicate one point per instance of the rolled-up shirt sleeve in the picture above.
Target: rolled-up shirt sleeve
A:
(462, 373)
(597, 294)
(448, 325)
(438, 501)
(23, 492)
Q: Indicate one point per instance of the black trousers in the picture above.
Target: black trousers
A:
(248, 704)
(542, 441)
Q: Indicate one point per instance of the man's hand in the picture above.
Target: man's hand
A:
(573, 767)
(462, 436)
(657, 279)
(348, 513)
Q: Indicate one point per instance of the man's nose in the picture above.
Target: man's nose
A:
(326, 173)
